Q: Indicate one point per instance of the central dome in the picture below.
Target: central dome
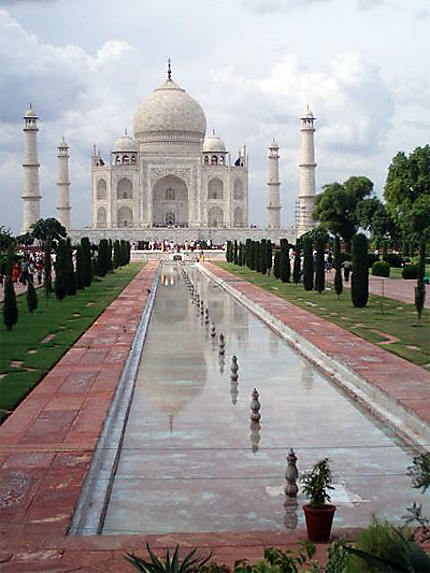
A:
(169, 114)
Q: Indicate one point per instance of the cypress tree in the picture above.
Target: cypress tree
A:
(319, 266)
(102, 258)
(69, 271)
(79, 267)
(128, 247)
(248, 253)
(255, 255)
(297, 271)
(263, 256)
(269, 257)
(338, 284)
(360, 271)
(235, 253)
(60, 263)
(10, 308)
(116, 254)
(308, 264)
(420, 289)
(86, 261)
(284, 263)
(109, 256)
(276, 264)
(47, 266)
(228, 252)
(32, 302)
(240, 258)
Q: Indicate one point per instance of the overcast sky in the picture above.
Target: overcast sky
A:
(363, 66)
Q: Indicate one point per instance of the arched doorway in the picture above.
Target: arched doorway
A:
(101, 217)
(238, 217)
(170, 202)
(125, 217)
(215, 217)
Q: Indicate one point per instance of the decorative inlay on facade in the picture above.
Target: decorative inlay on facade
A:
(160, 172)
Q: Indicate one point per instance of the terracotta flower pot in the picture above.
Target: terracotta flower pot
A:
(319, 521)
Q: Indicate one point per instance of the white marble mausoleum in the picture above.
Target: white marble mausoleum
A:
(171, 174)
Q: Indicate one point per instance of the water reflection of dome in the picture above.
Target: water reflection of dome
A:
(173, 305)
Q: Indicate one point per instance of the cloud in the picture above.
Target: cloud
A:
(269, 6)
(87, 98)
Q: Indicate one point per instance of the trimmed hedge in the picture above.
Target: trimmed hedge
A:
(381, 269)
(410, 272)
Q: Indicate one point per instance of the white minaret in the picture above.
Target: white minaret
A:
(31, 193)
(63, 185)
(273, 187)
(306, 197)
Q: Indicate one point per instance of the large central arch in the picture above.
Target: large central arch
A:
(170, 202)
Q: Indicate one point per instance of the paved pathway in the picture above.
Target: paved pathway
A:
(47, 444)
(397, 289)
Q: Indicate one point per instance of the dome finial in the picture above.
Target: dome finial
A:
(125, 131)
(169, 70)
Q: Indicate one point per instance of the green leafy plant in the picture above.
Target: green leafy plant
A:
(384, 547)
(410, 272)
(381, 269)
(170, 564)
(316, 483)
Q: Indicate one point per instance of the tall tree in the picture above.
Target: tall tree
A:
(49, 228)
(297, 271)
(360, 271)
(319, 264)
(80, 284)
(338, 284)
(269, 255)
(336, 206)
(407, 193)
(263, 256)
(69, 271)
(276, 264)
(284, 262)
(10, 307)
(32, 302)
(47, 266)
(60, 269)
(308, 264)
(87, 261)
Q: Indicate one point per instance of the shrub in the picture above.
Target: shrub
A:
(372, 258)
(269, 261)
(69, 271)
(394, 260)
(360, 271)
(381, 269)
(60, 270)
(383, 544)
(284, 262)
(47, 266)
(297, 270)
(410, 272)
(86, 261)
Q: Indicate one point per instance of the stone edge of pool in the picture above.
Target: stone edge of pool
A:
(394, 390)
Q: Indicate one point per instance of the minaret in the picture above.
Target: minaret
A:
(273, 186)
(306, 197)
(31, 193)
(63, 185)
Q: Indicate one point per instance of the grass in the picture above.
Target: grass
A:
(39, 340)
(396, 273)
(381, 315)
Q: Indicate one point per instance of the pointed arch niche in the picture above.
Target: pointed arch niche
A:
(215, 189)
(170, 202)
(101, 218)
(125, 217)
(215, 217)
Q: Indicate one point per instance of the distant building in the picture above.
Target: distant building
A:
(170, 173)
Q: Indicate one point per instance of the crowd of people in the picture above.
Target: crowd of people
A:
(28, 266)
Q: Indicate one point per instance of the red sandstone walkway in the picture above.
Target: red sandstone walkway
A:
(397, 289)
(404, 382)
(47, 444)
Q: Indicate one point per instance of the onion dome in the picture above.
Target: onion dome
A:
(169, 114)
(125, 144)
(213, 144)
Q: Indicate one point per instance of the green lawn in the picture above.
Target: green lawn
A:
(381, 319)
(38, 341)
(396, 273)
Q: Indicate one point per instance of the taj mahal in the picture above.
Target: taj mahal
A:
(171, 177)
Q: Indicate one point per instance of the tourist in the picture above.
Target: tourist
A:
(347, 267)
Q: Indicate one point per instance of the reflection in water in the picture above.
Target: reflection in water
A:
(221, 364)
(171, 379)
(307, 376)
(291, 517)
(234, 391)
(255, 436)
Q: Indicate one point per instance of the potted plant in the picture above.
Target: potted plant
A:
(316, 484)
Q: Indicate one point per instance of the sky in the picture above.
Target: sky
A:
(363, 66)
